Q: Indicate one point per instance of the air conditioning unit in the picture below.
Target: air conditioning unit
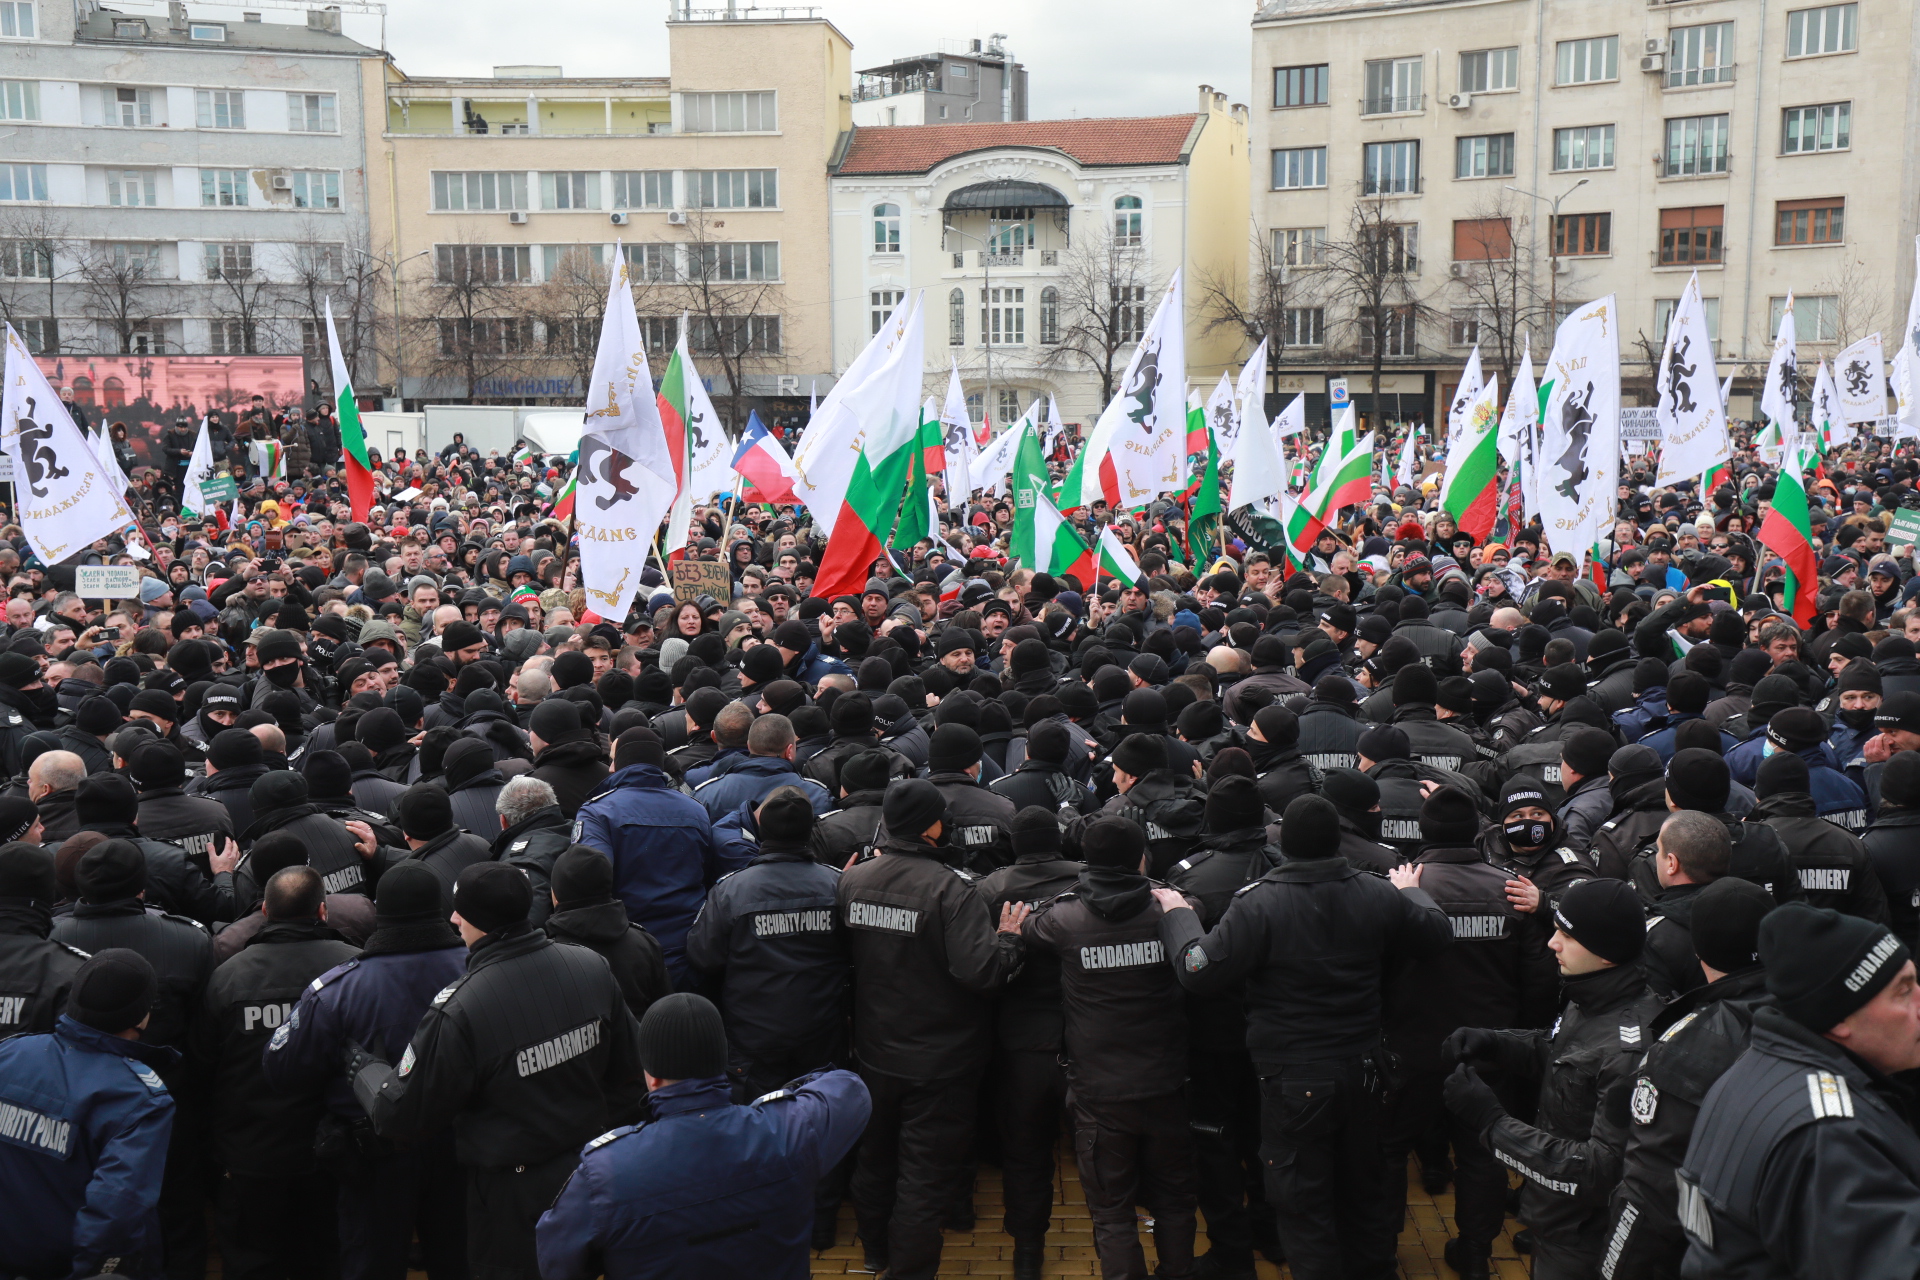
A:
(282, 182)
(619, 219)
(1460, 270)
(518, 217)
(1654, 44)
(1561, 266)
(676, 217)
(1460, 101)
(1654, 63)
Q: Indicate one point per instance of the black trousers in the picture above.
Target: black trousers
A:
(272, 1228)
(913, 1162)
(1320, 1140)
(183, 1193)
(383, 1204)
(1136, 1152)
(1642, 1244)
(503, 1205)
(1479, 1181)
(1223, 1097)
(1031, 1098)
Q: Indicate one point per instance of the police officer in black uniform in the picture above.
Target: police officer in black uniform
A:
(280, 801)
(1431, 740)
(1698, 779)
(1164, 801)
(585, 913)
(1283, 770)
(1387, 757)
(980, 823)
(1043, 778)
(1690, 853)
(35, 971)
(1356, 798)
(853, 828)
(194, 823)
(1831, 862)
(106, 803)
(528, 1055)
(1329, 731)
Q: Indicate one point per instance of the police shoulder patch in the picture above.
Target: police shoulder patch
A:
(147, 1076)
(1646, 1101)
(407, 1060)
(1195, 959)
(84, 955)
(1252, 884)
(281, 1034)
(1630, 1035)
(446, 993)
(611, 1135)
(1830, 1095)
(1678, 1027)
(518, 845)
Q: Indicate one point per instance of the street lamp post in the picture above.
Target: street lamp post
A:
(986, 295)
(1553, 257)
(399, 345)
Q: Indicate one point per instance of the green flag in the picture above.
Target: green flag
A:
(1206, 507)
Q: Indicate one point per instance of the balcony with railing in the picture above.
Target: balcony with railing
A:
(496, 116)
(1393, 104)
(874, 85)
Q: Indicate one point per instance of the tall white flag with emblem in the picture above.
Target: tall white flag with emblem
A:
(63, 497)
(1825, 423)
(1219, 411)
(1461, 406)
(1143, 431)
(1782, 392)
(1580, 449)
(199, 468)
(1054, 426)
(1860, 380)
(956, 430)
(1693, 422)
(626, 481)
(1249, 397)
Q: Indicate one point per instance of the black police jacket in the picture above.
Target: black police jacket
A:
(194, 823)
(447, 855)
(534, 844)
(1672, 967)
(1048, 785)
(174, 883)
(824, 766)
(768, 931)
(1832, 863)
(1312, 941)
(1169, 807)
(1330, 735)
(630, 951)
(180, 951)
(574, 770)
(1124, 1024)
(1433, 741)
(258, 1129)
(1758, 855)
(1400, 801)
(850, 830)
(979, 822)
(528, 1055)
(473, 800)
(330, 847)
(89, 748)
(1224, 863)
(1284, 774)
(1891, 843)
(1028, 1016)
(36, 972)
(1795, 1101)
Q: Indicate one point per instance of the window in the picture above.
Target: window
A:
(1299, 167)
(324, 261)
(1700, 55)
(1300, 246)
(1049, 316)
(1489, 70)
(1300, 86)
(1696, 145)
(1003, 316)
(1129, 305)
(584, 260)
(1583, 235)
(16, 19)
(1815, 319)
(654, 264)
(1399, 333)
(1010, 230)
(504, 337)
(220, 108)
(1009, 398)
(468, 263)
(233, 338)
(643, 189)
(1394, 249)
(20, 99)
(880, 304)
(1663, 309)
(579, 190)
(1126, 222)
(130, 29)
(141, 338)
(1489, 156)
(25, 260)
(130, 108)
(957, 318)
(216, 32)
(223, 188)
(744, 260)
(659, 333)
(735, 335)
(886, 229)
(1394, 84)
(737, 188)
(311, 113)
(478, 191)
(976, 406)
(23, 182)
(1826, 30)
(1587, 61)
(1828, 127)
(727, 113)
(1390, 168)
(1463, 326)
(1588, 147)
(316, 189)
(1810, 221)
(229, 261)
(1691, 235)
(1303, 327)
(1482, 240)
(137, 259)
(132, 188)
(41, 336)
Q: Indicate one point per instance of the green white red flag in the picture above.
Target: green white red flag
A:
(1043, 539)
(1788, 533)
(1115, 560)
(353, 437)
(1470, 490)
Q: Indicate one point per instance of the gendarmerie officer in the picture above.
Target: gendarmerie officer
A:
(1126, 1054)
(1043, 778)
(1830, 860)
(980, 823)
(106, 803)
(167, 812)
(528, 1055)
(280, 801)
(1695, 1039)
(1387, 758)
(586, 914)
(1311, 940)
(852, 829)
(1569, 1157)
(1803, 1161)
(35, 971)
(926, 959)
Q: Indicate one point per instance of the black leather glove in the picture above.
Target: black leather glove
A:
(1470, 1044)
(1469, 1098)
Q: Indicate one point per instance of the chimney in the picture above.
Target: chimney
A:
(327, 19)
(1206, 97)
(176, 16)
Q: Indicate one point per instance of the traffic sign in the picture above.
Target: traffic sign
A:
(1337, 393)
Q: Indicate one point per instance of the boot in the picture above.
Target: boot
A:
(1523, 1241)
(1216, 1264)
(826, 1230)
(1029, 1258)
(873, 1257)
(960, 1217)
(1469, 1262)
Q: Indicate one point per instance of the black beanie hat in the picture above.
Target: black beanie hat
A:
(1698, 779)
(555, 720)
(953, 747)
(866, 771)
(462, 635)
(464, 760)
(1049, 741)
(1456, 695)
(1385, 742)
(1858, 676)
(113, 990)
(1796, 728)
(156, 702)
(1350, 791)
(17, 816)
(762, 664)
(1199, 721)
(1029, 656)
(274, 645)
(1822, 965)
(104, 797)
(1145, 711)
(1234, 804)
(1900, 780)
(1447, 817)
(786, 815)
(158, 765)
(492, 896)
(192, 659)
(277, 789)
(582, 877)
(911, 806)
(682, 1038)
(1587, 750)
(1337, 690)
(1035, 830)
(1519, 793)
(852, 715)
(424, 811)
(1310, 829)
(235, 749)
(1772, 694)
(1604, 916)
(1649, 673)
(1279, 726)
(381, 728)
(17, 670)
(1414, 684)
(1113, 842)
(408, 893)
(110, 871)
(1140, 754)
(1564, 682)
(1748, 666)
(1782, 771)
(26, 871)
(1726, 923)
(571, 667)
(98, 716)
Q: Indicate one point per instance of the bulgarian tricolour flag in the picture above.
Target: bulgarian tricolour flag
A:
(1342, 478)
(1788, 533)
(1115, 560)
(1043, 539)
(917, 517)
(353, 438)
(563, 505)
(1470, 493)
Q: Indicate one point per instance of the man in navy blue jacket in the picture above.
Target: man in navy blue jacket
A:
(706, 1188)
(84, 1124)
(766, 766)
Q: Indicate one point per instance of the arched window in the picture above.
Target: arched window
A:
(83, 391)
(957, 318)
(886, 228)
(113, 393)
(1049, 315)
(976, 405)
(1126, 222)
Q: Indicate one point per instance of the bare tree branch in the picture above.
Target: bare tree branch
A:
(122, 287)
(1372, 281)
(1106, 293)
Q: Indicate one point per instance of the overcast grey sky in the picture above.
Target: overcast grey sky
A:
(1116, 58)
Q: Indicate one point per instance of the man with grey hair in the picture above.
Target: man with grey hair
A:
(51, 782)
(1691, 852)
(534, 831)
(525, 692)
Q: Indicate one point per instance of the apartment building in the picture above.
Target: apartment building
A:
(173, 183)
(504, 199)
(1516, 159)
(1043, 247)
(977, 82)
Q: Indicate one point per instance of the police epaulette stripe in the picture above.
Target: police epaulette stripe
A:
(84, 955)
(1243, 888)
(1830, 1095)
(1610, 824)
(335, 972)
(1630, 1035)
(611, 1135)
(964, 874)
(147, 1076)
(723, 879)
(709, 782)
(168, 915)
(446, 993)
(775, 1096)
